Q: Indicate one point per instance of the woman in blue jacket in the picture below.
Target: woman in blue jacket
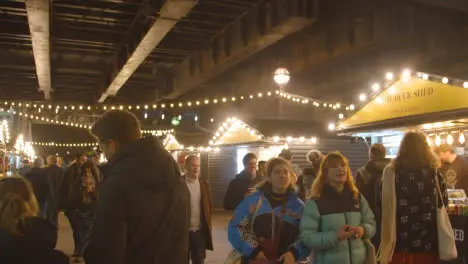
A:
(337, 219)
(265, 225)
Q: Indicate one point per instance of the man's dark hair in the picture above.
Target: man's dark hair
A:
(286, 154)
(261, 163)
(79, 155)
(119, 125)
(248, 157)
(378, 151)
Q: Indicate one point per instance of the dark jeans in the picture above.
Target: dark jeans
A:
(81, 222)
(197, 247)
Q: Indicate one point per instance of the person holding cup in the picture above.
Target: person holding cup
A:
(337, 222)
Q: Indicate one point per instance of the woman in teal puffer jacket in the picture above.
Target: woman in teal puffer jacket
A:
(337, 220)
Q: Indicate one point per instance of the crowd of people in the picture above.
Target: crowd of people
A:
(140, 207)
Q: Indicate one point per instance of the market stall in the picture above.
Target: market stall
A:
(434, 104)
(235, 138)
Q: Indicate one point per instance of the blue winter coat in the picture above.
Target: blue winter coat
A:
(322, 219)
(245, 241)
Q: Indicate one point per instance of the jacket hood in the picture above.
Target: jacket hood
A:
(147, 162)
(376, 166)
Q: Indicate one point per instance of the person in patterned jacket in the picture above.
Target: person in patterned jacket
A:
(409, 189)
(265, 226)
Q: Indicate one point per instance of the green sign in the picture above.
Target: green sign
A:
(175, 121)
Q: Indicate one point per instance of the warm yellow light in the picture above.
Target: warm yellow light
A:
(389, 76)
(362, 97)
(425, 76)
(406, 75)
(427, 126)
(445, 80)
(449, 139)
(375, 87)
(461, 138)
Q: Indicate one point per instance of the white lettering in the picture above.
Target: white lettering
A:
(459, 235)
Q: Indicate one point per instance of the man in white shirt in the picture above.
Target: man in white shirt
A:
(200, 238)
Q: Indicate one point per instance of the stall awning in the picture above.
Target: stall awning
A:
(234, 132)
(411, 100)
(171, 143)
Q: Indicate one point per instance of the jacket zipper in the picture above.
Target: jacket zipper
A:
(349, 243)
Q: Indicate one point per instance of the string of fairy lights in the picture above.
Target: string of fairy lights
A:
(387, 83)
(173, 104)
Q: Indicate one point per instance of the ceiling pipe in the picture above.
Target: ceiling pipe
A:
(39, 27)
(171, 13)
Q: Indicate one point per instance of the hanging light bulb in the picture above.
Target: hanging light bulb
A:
(362, 97)
(146, 115)
(449, 139)
(461, 138)
(375, 87)
(438, 140)
(389, 76)
(406, 75)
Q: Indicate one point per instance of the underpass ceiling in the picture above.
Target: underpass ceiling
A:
(85, 37)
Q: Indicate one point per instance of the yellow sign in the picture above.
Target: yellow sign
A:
(410, 98)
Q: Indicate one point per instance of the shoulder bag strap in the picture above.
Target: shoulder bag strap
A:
(254, 213)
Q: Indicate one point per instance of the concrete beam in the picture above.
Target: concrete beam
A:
(171, 13)
(265, 25)
(345, 52)
(39, 27)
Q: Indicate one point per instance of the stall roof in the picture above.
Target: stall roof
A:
(234, 131)
(410, 101)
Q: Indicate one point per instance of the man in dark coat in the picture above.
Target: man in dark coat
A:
(243, 184)
(40, 184)
(143, 210)
(368, 180)
(200, 234)
(70, 201)
(55, 176)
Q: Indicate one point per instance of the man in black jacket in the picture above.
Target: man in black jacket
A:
(143, 210)
(243, 184)
(55, 176)
(368, 180)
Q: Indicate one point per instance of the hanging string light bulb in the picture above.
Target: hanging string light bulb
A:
(449, 139)
(461, 138)
(438, 140)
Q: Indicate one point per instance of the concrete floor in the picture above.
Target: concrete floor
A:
(221, 245)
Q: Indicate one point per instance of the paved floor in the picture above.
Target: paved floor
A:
(221, 245)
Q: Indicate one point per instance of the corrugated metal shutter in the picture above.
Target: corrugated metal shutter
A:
(357, 153)
(221, 168)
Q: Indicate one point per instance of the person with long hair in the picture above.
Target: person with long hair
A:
(25, 237)
(409, 189)
(265, 226)
(337, 220)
